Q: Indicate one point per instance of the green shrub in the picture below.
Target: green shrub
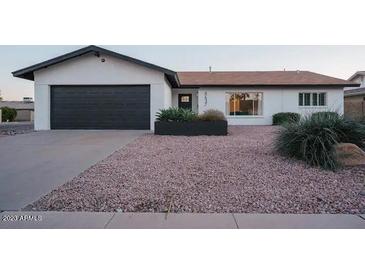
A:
(8, 114)
(312, 139)
(326, 114)
(212, 115)
(350, 132)
(285, 117)
(176, 114)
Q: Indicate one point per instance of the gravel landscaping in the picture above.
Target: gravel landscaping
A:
(235, 173)
(15, 128)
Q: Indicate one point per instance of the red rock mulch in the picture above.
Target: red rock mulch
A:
(235, 173)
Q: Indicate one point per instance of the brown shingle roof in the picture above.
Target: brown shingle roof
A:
(259, 78)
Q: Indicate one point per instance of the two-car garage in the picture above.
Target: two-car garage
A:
(100, 107)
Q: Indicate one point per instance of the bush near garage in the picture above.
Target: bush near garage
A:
(8, 114)
(285, 117)
(313, 138)
(182, 122)
(174, 114)
(212, 115)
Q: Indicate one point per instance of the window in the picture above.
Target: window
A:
(315, 99)
(307, 99)
(322, 99)
(185, 99)
(300, 99)
(312, 99)
(244, 104)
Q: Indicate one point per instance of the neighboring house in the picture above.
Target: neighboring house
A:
(24, 109)
(94, 88)
(358, 77)
(355, 98)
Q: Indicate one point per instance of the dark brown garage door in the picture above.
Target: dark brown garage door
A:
(100, 107)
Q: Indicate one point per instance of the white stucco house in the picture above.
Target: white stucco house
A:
(94, 88)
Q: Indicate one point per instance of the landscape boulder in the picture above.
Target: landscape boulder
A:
(350, 154)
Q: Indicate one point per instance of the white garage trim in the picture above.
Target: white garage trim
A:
(89, 70)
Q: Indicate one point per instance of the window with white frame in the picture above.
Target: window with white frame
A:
(244, 103)
(312, 99)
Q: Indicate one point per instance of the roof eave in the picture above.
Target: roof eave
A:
(28, 72)
(362, 73)
(354, 94)
(269, 85)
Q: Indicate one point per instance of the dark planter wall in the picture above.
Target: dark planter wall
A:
(193, 128)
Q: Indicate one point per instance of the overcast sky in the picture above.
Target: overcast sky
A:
(337, 61)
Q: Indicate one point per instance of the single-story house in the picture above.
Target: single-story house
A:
(358, 77)
(355, 97)
(95, 88)
(24, 109)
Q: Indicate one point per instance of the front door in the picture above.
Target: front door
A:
(185, 101)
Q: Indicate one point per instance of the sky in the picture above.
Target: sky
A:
(336, 61)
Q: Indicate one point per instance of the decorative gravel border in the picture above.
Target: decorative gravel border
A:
(235, 173)
(7, 129)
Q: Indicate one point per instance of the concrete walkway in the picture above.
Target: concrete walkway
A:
(33, 164)
(112, 220)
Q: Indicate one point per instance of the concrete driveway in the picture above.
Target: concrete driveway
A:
(33, 164)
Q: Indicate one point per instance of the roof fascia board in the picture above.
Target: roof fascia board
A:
(277, 86)
(358, 73)
(354, 94)
(27, 72)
